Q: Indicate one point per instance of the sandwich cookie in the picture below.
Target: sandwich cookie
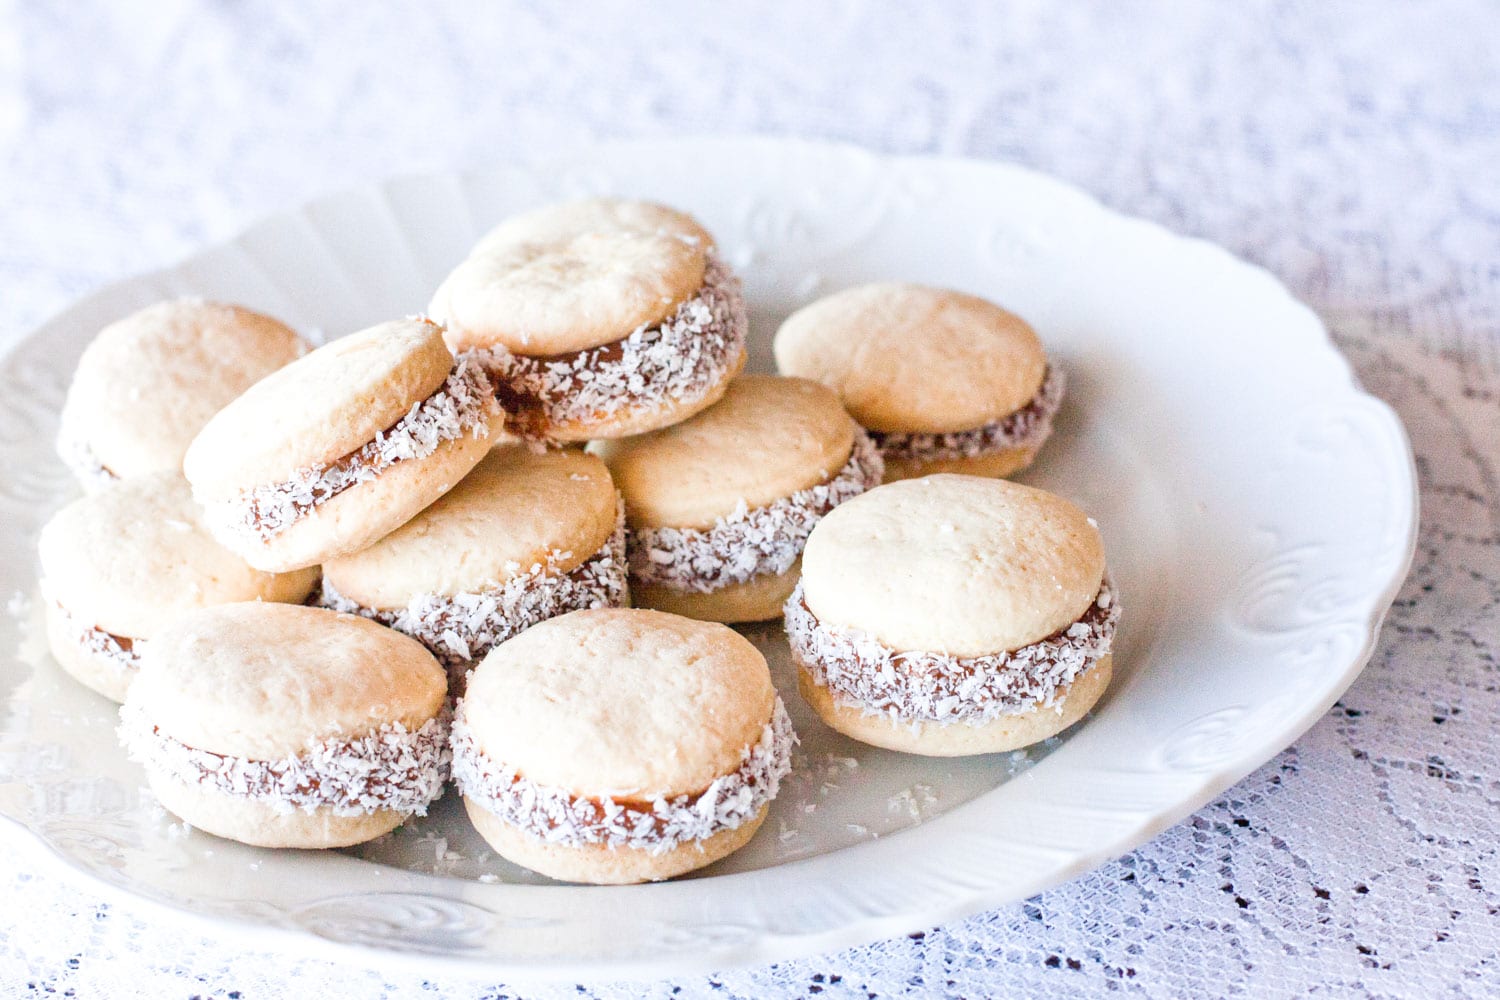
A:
(943, 381)
(149, 382)
(341, 447)
(953, 615)
(598, 319)
(523, 538)
(620, 745)
(120, 563)
(720, 505)
(285, 726)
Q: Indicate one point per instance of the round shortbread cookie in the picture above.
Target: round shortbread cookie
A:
(621, 702)
(513, 511)
(268, 681)
(768, 437)
(132, 557)
(319, 408)
(149, 382)
(959, 739)
(287, 726)
(574, 276)
(954, 564)
(909, 358)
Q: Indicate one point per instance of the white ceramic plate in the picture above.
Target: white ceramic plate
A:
(1259, 510)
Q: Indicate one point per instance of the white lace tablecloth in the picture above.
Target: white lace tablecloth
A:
(1353, 149)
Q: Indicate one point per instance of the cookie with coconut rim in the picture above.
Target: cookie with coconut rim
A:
(120, 563)
(278, 725)
(525, 537)
(720, 505)
(620, 745)
(943, 381)
(953, 615)
(343, 446)
(149, 382)
(598, 318)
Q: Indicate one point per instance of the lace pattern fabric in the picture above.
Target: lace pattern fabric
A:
(1349, 150)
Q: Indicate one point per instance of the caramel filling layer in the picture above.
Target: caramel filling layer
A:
(462, 405)
(391, 768)
(924, 686)
(557, 816)
(121, 652)
(750, 542)
(1027, 427)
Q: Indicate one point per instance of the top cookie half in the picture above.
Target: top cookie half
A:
(913, 359)
(574, 276)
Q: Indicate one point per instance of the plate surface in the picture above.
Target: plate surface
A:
(1258, 508)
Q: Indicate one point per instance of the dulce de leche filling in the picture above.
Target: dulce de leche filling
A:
(679, 359)
(557, 816)
(392, 768)
(750, 542)
(1027, 427)
(461, 628)
(461, 405)
(121, 652)
(924, 686)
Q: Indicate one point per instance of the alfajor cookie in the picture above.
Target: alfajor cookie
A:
(953, 615)
(149, 382)
(943, 381)
(720, 505)
(598, 318)
(620, 745)
(525, 537)
(120, 563)
(285, 726)
(341, 447)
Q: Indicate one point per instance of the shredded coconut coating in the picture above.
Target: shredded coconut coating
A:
(680, 359)
(1028, 427)
(557, 816)
(82, 462)
(460, 629)
(462, 405)
(860, 671)
(123, 654)
(391, 768)
(750, 542)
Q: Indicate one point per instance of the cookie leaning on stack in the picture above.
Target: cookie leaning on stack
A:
(523, 538)
(597, 319)
(341, 447)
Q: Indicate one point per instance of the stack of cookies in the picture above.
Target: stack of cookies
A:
(503, 543)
